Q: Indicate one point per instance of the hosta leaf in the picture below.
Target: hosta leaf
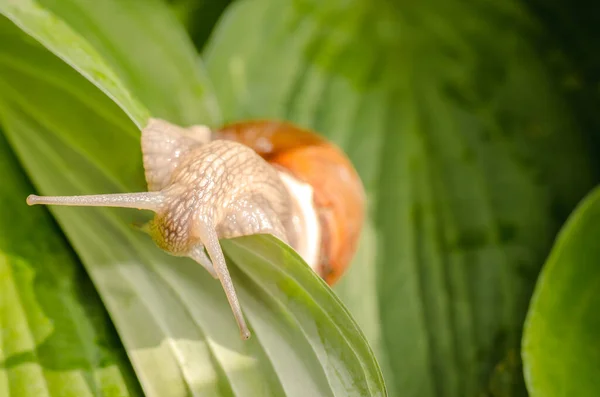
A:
(561, 344)
(60, 38)
(139, 42)
(55, 336)
(460, 140)
(198, 16)
(171, 315)
(144, 44)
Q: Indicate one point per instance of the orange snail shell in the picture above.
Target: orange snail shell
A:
(338, 192)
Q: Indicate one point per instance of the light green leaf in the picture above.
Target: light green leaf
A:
(134, 51)
(60, 38)
(172, 317)
(55, 336)
(561, 343)
(150, 52)
(461, 142)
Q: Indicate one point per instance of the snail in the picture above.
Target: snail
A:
(257, 177)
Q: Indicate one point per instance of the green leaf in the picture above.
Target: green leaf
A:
(133, 51)
(60, 38)
(460, 139)
(199, 17)
(144, 44)
(172, 317)
(561, 344)
(55, 336)
(569, 51)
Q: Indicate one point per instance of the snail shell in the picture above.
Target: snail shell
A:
(338, 193)
(202, 190)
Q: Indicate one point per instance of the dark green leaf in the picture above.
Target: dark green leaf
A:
(461, 142)
(199, 17)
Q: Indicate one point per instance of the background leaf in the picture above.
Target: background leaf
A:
(568, 49)
(460, 138)
(199, 17)
(170, 314)
(469, 155)
(561, 347)
(55, 336)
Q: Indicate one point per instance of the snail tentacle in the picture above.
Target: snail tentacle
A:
(198, 254)
(142, 200)
(207, 233)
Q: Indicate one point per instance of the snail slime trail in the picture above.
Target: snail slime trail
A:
(303, 191)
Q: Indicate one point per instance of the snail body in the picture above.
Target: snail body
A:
(202, 189)
(338, 194)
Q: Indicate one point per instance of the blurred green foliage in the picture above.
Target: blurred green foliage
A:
(473, 125)
(571, 30)
(199, 17)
